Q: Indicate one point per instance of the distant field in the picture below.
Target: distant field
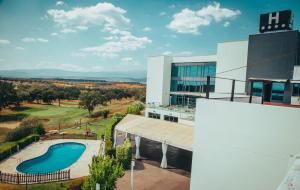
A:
(66, 115)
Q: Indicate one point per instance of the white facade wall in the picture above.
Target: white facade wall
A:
(295, 100)
(195, 59)
(296, 75)
(183, 118)
(243, 146)
(158, 80)
(231, 55)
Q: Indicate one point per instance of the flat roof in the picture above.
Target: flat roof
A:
(175, 134)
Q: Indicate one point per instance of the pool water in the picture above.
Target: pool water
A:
(58, 157)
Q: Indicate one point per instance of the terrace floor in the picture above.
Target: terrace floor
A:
(149, 177)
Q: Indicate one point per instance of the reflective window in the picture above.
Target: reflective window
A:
(154, 115)
(191, 77)
(171, 118)
(257, 88)
(296, 89)
(183, 100)
(277, 91)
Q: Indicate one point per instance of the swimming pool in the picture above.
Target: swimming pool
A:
(58, 157)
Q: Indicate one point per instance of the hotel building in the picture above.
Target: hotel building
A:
(237, 111)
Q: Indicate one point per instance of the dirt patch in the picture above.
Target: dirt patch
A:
(9, 124)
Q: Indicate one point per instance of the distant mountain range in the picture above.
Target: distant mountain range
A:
(128, 76)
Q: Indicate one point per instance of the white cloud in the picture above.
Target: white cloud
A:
(42, 40)
(189, 21)
(4, 42)
(126, 59)
(105, 15)
(19, 48)
(59, 3)
(82, 28)
(54, 34)
(185, 53)
(78, 54)
(30, 40)
(147, 29)
(167, 53)
(129, 61)
(162, 13)
(67, 30)
(226, 24)
(125, 42)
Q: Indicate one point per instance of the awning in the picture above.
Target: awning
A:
(174, 134)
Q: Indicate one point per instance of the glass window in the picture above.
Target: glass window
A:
(277, 91)
(257, 88)
(192, 77)
(296, 89)
(171, 118)
(154, 115)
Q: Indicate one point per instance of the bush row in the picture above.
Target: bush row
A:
(13, 148)
(124, 154)
(102, 113)
(27, 127)
(109, 135)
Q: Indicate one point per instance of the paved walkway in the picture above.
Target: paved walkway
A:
(79, 169)
(148, 177)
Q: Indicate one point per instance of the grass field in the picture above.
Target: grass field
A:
(64, 116)
(46, 186)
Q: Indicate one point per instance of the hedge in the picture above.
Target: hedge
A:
(27, 127)
(124, 154)
(13, 147)
(109, 133)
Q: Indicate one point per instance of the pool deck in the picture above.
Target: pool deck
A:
(78, 169)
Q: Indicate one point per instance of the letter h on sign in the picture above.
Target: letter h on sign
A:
(276, 18)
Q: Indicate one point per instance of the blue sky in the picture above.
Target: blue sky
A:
(91, 35)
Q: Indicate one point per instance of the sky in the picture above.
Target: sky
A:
(97, 36)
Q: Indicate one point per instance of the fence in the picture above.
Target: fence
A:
(34, 178)
(70, 136)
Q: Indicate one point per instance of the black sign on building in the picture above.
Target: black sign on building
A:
(281, 20)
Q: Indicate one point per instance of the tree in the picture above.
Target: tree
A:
(48, 95)
(8, 94)
(60, 94)
(89, 100)
(135, 108)
(105, 171)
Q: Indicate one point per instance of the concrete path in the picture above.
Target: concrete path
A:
(148, 177)
(78, 169)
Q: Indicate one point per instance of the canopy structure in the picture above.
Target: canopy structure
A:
(174, 134)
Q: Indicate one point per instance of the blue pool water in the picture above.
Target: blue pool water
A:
(58, 157)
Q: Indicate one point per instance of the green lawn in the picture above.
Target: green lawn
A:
(97, 126)
(64, 185)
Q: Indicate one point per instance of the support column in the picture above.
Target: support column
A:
(115, 138)
(137, 147)
(164, 163)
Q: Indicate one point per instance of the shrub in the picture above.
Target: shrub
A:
(124, 154)
(27, 127)
(118, 117)
(135, 108)
(13, 147)
(104, 171)
(102, 113)
(75, 184)
(27, 141)
(105, 113)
